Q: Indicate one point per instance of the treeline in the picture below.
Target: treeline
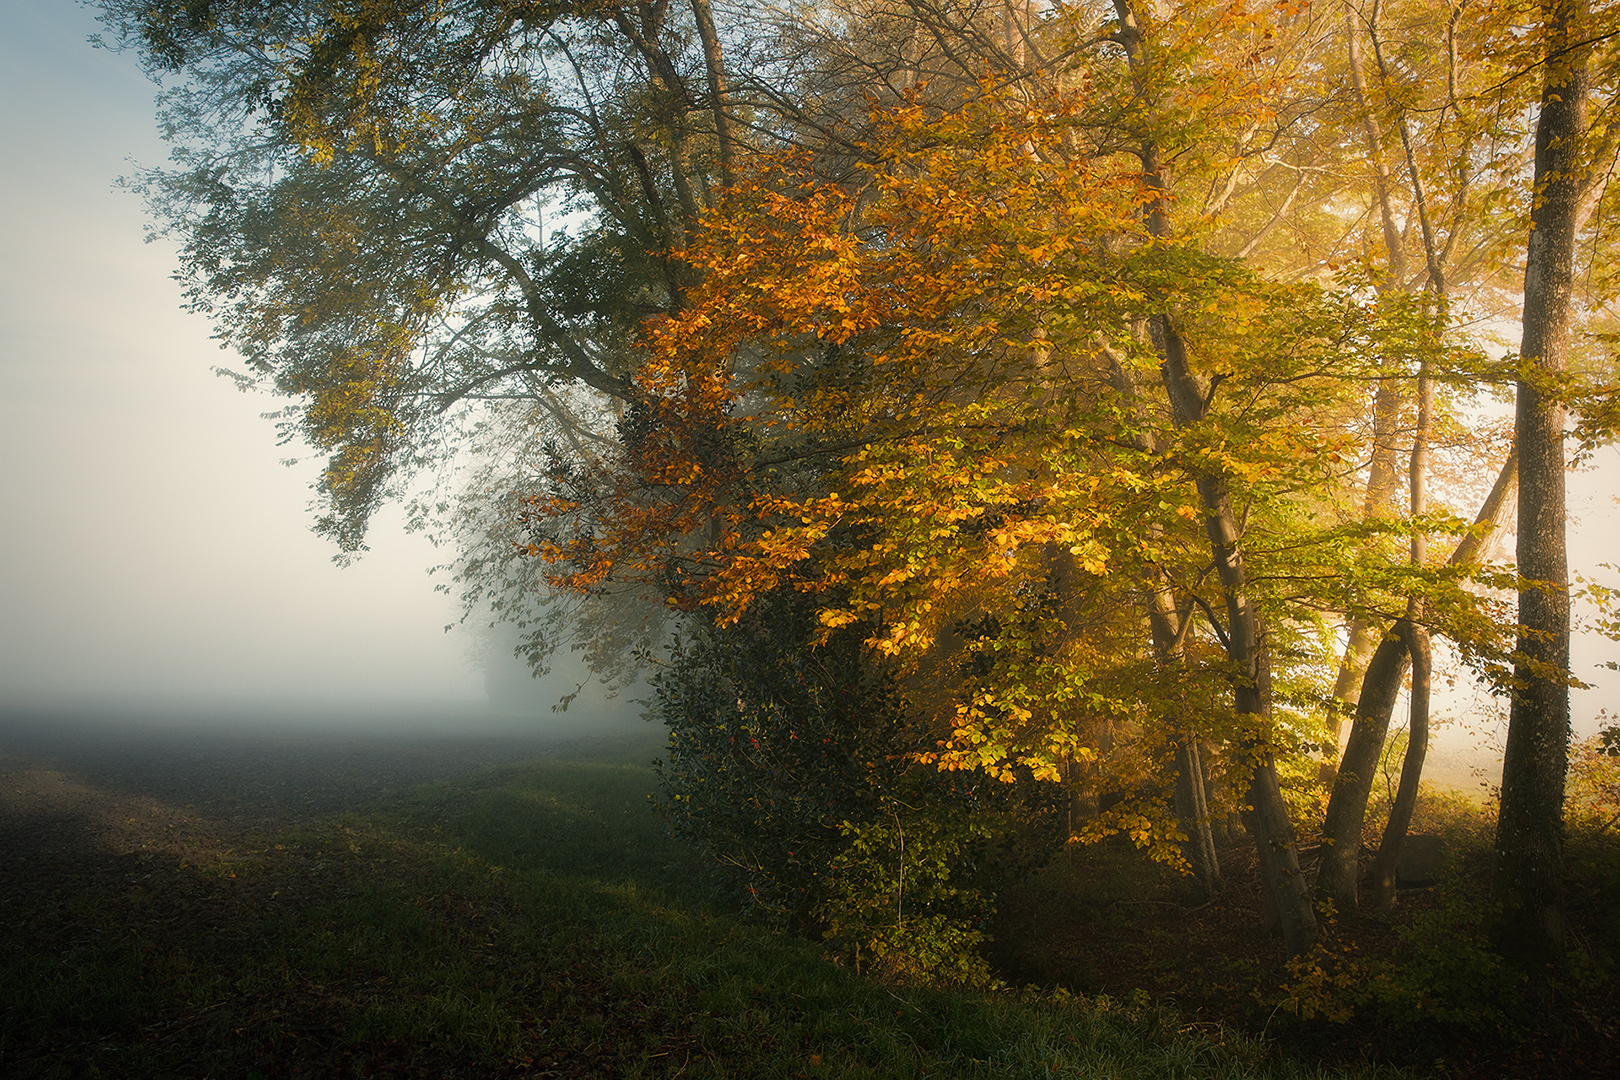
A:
(1033, 421)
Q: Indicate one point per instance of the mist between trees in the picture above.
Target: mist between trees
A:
(989, 426)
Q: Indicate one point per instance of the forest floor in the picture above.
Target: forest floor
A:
(1415, 985)
(188, 904)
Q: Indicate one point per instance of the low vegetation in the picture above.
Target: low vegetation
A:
(535, 922)
(1418, 985)
(538, 921)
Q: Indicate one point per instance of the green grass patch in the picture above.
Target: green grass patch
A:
(534, 921)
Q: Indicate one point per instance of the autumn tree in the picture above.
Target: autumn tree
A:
(950, 337)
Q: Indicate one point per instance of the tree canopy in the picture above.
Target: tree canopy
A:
(1054, 365)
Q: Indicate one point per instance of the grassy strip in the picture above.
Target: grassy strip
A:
(532, 923)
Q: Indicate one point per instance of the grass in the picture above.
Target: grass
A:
(534, 922)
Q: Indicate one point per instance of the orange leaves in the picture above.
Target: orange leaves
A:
(847, 313)
(779, 260)
(921, 278)
(919, 397)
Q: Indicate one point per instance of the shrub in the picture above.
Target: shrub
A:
(795, 766)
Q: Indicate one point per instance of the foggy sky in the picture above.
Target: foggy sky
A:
(154, 552)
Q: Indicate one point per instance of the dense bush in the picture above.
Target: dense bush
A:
(795, 766)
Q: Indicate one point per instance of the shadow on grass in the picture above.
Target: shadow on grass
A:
(527, 920)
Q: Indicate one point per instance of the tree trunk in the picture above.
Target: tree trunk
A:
(1394, 246)
(1412, 631)
(1281, 879)
(1361, 634)
(1416, 642)
(1491, 513)
(1192, 810)
(1529, 834)
(719, 94)
(1191, 796)
(644, 29)
(1340, 864)
(1169, 629)
(1347, 808)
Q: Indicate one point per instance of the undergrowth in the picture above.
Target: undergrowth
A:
(1418, 986)
(1423, 983)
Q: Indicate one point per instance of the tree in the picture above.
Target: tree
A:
(937, 339)
(1529, 840)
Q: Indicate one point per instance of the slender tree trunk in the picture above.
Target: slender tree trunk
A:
(1529, 835)
(1281, 879)
(1414, 634)
(644, 28)
(1491, 514)
(1192, 810)
(1169, 630)
(1347, 809)
(1416, 641)
(1191, 797)
(1340, 864)
(1412, 630)
(719, 94)
(1393, 245)
(1362, 633)
(1015, 21)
